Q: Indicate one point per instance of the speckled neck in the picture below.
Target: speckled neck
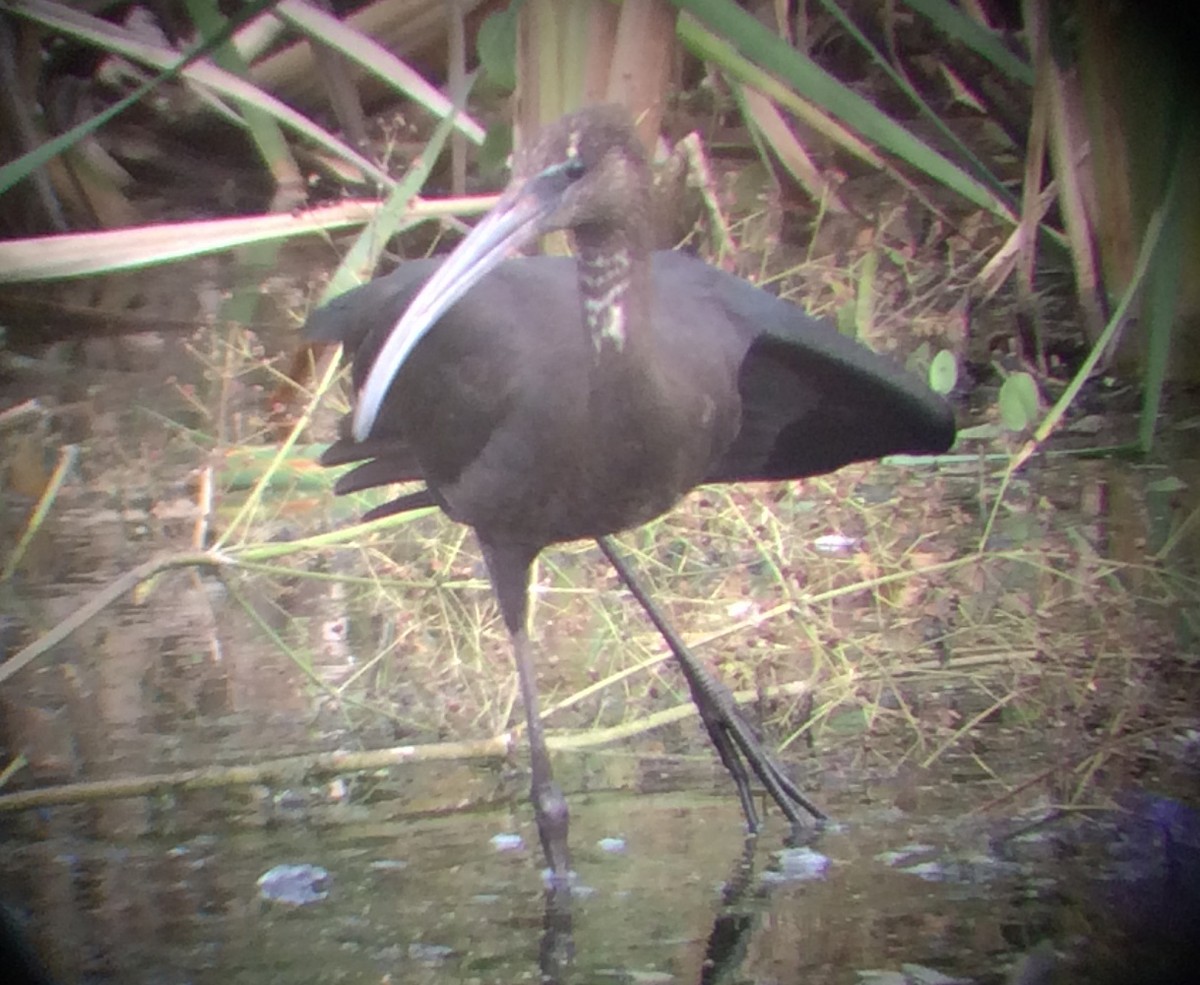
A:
(613, 284)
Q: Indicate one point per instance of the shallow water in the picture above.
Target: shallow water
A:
(166, 890)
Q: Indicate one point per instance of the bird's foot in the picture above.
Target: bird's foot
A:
(738, 745)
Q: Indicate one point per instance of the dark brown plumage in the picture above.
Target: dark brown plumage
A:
(543, 400)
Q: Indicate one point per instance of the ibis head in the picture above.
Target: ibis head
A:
(586, 174)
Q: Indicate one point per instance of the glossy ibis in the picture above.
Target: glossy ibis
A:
(549, 399)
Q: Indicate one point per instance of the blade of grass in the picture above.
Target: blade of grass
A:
(323, 28)
(66, 461)
(980, 171)
(109, 37)
(1150, 247)
(267, 137)
(952, 22)
(20, 169)
(708, 46)
(360, 260)
(760, 45)
(79, 254)
(1163, 288)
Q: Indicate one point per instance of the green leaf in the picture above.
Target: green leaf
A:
(1018, 402)
(943, 372)
(846, 319)
(496, 149)
(1168, 484)
(979, 432)
(496, 44)
(850, 721)
(864, 302)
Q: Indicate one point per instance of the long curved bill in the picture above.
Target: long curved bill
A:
(511, 223)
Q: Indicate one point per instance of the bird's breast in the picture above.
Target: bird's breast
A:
(523, 426)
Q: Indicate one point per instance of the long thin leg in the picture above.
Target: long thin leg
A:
(729, 731)
(509, 566)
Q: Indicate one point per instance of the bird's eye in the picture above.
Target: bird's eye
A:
(573, 168)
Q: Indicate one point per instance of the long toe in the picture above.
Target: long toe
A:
(735, 741)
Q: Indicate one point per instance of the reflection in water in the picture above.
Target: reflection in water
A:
(735, 921)
(432, 900)
(556, 953)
